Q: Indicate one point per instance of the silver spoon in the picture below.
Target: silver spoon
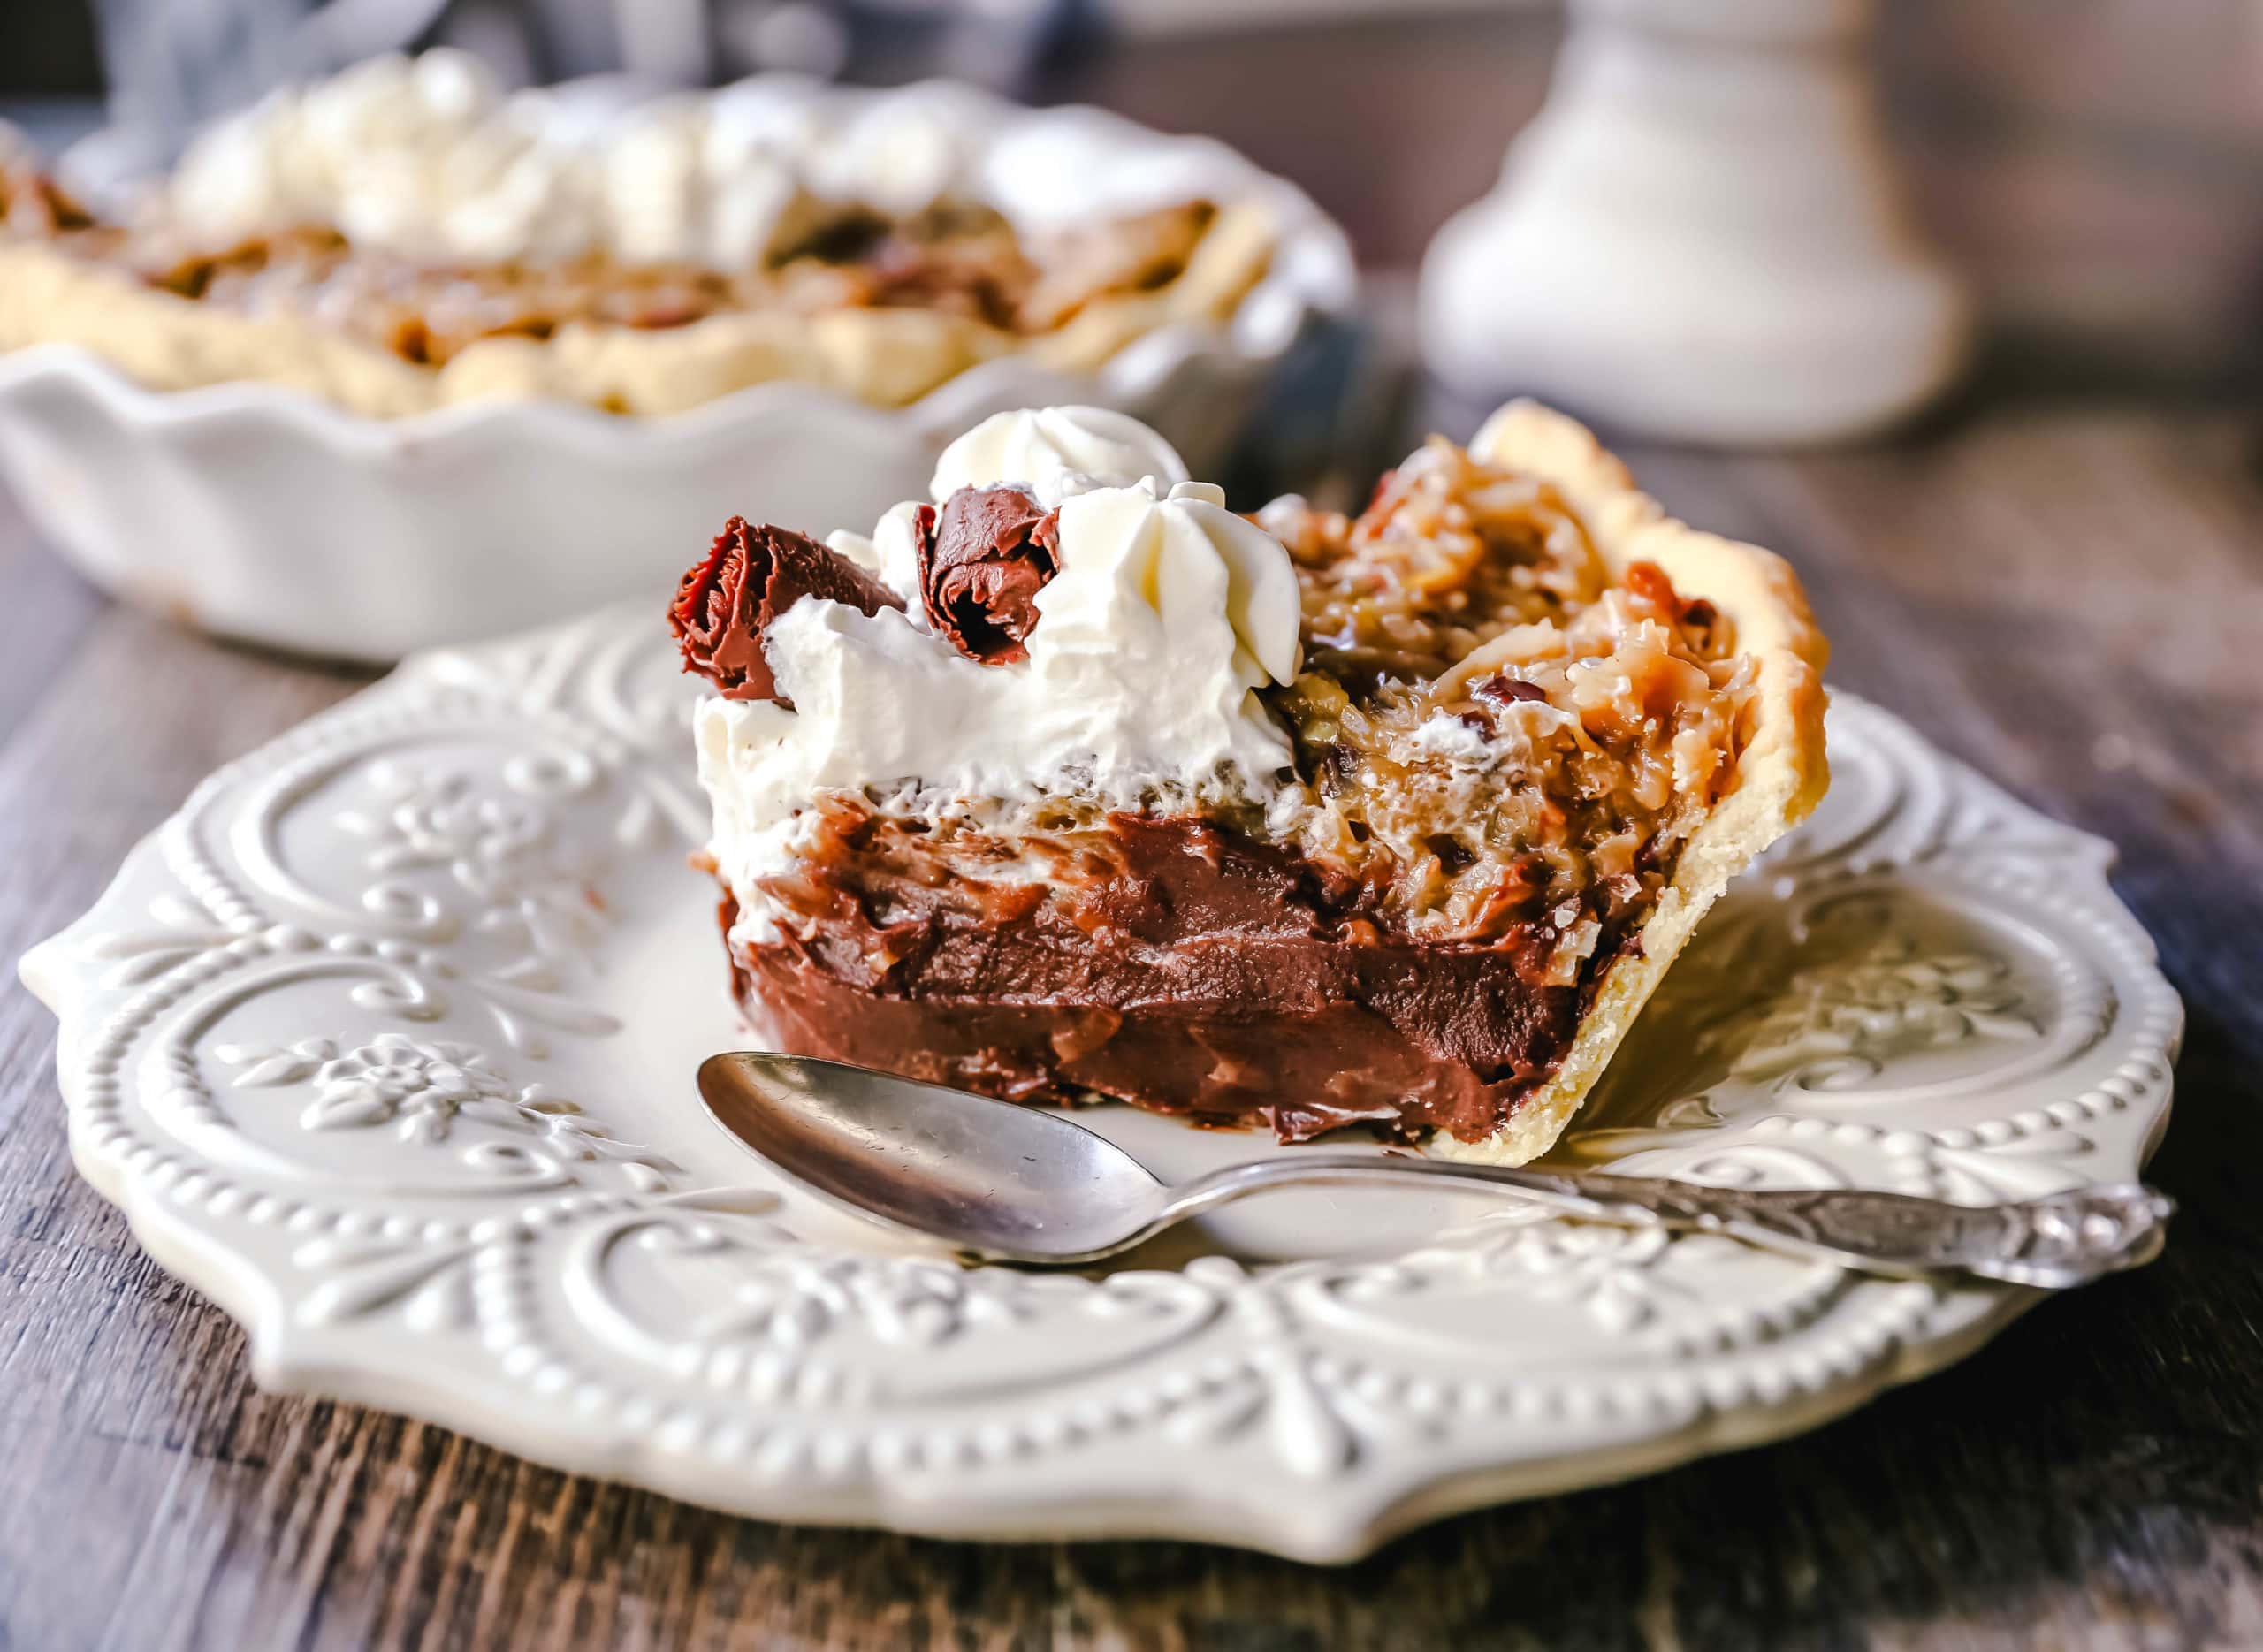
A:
(1006, 1183)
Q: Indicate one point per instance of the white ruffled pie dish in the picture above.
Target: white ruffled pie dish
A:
(266, 513)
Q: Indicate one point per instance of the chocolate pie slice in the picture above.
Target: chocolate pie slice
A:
(1070, 782)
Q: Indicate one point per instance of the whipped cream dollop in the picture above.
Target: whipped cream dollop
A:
(1054, 452)
(1139, 686)
(680, 182)
(425, 156)
(429, 157)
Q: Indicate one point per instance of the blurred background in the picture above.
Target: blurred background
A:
(2095, 167)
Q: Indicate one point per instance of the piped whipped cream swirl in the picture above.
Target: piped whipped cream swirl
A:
(428, 157)
(1167, 616)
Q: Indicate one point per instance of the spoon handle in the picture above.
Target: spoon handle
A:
(2066, 1239)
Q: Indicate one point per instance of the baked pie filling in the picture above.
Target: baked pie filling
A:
(643, 304)
(1498, 743)
(1495, 728)
(956, 258)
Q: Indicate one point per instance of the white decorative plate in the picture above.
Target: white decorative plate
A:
(386, 1043)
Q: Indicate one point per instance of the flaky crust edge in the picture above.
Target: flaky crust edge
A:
(884, 358)
(1781, 775)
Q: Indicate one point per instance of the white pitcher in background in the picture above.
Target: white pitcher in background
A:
(1700, 237)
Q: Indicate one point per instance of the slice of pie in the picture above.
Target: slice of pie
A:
(1070, 782)
(403, 237)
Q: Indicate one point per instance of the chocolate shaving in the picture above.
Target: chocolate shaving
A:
(726, 605)
(982, 562)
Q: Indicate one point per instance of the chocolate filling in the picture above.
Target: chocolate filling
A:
(1184, 967)
(982, 562)
(725, 606)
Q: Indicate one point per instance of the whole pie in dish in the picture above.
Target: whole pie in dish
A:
(1070, 782)
(403, 237)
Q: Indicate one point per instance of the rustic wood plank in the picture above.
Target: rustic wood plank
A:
(122, 1388)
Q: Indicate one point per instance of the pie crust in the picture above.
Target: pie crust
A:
(1781, 772)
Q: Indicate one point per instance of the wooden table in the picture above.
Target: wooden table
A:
(2069, 593)
(2070, 596)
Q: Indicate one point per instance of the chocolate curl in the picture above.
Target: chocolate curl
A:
(982, 562)
(726, 605)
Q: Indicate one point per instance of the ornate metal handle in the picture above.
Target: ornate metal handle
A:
(2066, 1239)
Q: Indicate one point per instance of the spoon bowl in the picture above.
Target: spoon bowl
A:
(995, 1178)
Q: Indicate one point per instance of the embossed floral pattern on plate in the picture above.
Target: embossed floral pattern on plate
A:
(384, 1042)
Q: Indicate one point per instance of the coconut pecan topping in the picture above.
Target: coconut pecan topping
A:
(1502, 730)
